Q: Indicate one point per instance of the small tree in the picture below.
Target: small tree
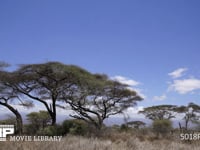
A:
(136, 124)
(191, 113)
(124, 127)
(159, 112)
(51, 130)
(75, 126)
(38, 120)
(162, 127)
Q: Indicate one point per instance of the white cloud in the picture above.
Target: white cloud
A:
(177, 73)
(134, 110)
(131, 112)
(159, 98)
(125, 80)
(131, 83)
(37, 107)
(185, 86)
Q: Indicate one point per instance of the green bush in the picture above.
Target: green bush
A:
(51, 130)
(38, 121)
(162, 127)
(30, 129)
(74, 126)
(124, 127)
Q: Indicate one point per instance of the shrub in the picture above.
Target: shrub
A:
(75, 127)
(162, 127)
(30, 129)
(50, 130)
(124, 127)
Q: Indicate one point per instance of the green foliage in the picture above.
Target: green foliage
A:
(30, 129)
(49, 81)
(74, 126)
(37, 121)
(40, 118)
(162, 127)
(136, 124)
(124, 127)
(159, 112)
(50, 130)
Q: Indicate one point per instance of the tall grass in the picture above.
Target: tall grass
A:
(123, 141)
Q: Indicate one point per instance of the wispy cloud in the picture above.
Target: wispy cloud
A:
(177, 73)
(159, 98)
(131, 83)
(185, 86)
(134, 110)
(131, 112)
(139, 91)
(125, 80)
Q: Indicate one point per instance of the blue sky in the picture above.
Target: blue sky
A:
(139, 42)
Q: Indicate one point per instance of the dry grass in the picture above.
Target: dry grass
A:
(118, 141)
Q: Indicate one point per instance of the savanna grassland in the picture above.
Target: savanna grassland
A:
(116, 141)
(92, 98)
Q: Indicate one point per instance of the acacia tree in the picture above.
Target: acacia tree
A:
(191, 114)
(159, 112)
(99, 99)
(45, 82)
(136, 124)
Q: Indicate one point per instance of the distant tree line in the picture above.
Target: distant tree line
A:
(188, 118)
(161, 116)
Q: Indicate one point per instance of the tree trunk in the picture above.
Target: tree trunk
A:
(54, 112)
(53, 117)
(98, 127)
(186, 125)
(19, 129)
(19, 126)
(180, 127)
